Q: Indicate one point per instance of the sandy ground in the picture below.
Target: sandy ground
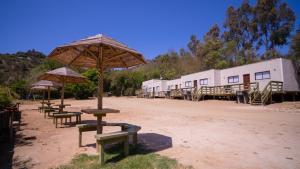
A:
(206, 134)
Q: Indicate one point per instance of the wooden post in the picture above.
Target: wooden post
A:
(48, 95)
(43, 99)
(80, 138)
(62, 95)
(99, 125)
(101, 153)
(100, 78)
(126, 146)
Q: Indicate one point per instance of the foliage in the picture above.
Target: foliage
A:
(15, 67)
(20, 87)
(295, 46)
(5, 98)
(85, 90)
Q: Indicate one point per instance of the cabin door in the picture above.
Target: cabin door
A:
(153, 92)
(176, 87)
(195, 84)
(246, 80)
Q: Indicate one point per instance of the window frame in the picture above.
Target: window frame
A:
(238, 79)
(189, 83)
(262, 75)
(204, 79)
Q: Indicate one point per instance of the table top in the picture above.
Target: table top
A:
(46, 102)
(62, 105)
(100, 111)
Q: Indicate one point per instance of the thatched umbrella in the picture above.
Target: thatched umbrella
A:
(43, 89)
(63, 75)
(97, 52)
(45, 85)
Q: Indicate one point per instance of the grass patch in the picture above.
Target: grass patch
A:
(139, 158)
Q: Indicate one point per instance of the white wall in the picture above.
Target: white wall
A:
(173, 83)
(289, 76)
(154, 83)
(274, 66)
(209, 74)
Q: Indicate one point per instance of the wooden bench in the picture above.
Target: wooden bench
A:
(66, 116)
(85, 128)
(115, 137)
(131, 129)
(49, 110)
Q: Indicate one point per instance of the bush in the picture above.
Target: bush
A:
(81, 91)
(5, 98)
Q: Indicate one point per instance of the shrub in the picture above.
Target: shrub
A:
(81, 91)
(5, 98)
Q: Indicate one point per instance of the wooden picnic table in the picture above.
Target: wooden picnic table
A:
(99, 113)
(64, 105)
(61, 107)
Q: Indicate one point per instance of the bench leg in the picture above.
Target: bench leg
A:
(55, 122)
(80, 119)
(101, 153)
(80, 139)
(126, 146)
(134, 139)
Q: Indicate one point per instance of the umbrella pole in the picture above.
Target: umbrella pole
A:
(100, 89)
(43, 98)
(48, 94)
(100, 79)
(62, 95)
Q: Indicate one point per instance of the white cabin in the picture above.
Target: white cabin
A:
(154, 86)
(261, 72)
(173, 84)
(205, 78)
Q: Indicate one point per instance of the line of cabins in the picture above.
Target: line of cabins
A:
(252, 81)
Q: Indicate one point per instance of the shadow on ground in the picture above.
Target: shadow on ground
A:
(7, 159)
(147, 143)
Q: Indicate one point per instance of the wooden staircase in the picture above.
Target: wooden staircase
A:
(265, 96)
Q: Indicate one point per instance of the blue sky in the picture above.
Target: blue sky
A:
(152, 27)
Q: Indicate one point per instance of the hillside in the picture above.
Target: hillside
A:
(17, 66)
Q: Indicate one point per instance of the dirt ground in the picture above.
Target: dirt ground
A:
(207, 134)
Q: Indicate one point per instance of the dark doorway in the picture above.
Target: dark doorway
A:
(246, 80)
(153, 92)
(195, 83)
(176, 87)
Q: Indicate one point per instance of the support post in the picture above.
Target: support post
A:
(48, 95)
(100, 78)
(62, 95)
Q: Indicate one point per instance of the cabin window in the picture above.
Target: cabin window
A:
(262, 75)
(188, 84)
(204, 81)
(233, 79)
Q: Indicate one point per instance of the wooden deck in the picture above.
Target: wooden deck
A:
(253, 94)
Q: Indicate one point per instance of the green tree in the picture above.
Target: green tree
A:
(275, 21)
(295, 46)
(241, 28)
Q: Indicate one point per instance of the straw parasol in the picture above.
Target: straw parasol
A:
(43, 88)
(45, 85)
(63, 75)
(100, 52)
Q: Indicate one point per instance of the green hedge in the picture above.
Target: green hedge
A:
(5, 99)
